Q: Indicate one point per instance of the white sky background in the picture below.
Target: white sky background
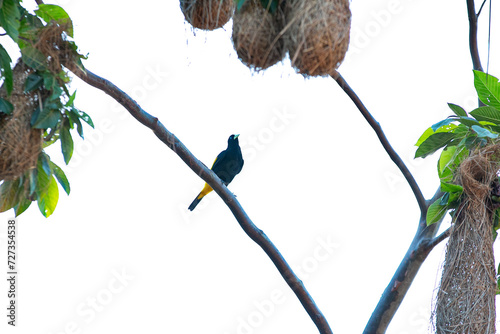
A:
(316, 179)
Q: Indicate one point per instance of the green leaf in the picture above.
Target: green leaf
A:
(9, 18)
(33, 58)
(488, 89)
(30, 25)
(47, 200)
(55, 13)
(32, 181)
(9, 194)
(71, 100)
(22, 206)
(449, 160)
(42, 175)
(434, 143)
(442, 123)
(444, 199)
(33, 81)
(66, 142)
(451, 188)
(6, 70)
(48, 118)
(459, 111)
(74, 118)
(45, 160)
(436, 212)
(61, 177)
(49, 81)
(484, 133)
(6, 107)
(86, 118)
(429, 132)
(473, 142)
(468, 121)
(488, 114)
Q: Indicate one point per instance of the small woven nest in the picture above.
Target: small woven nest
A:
(52, 44)
(317, 34)
(257, 35)
(20, 144)
(207, 14)
(466, 296)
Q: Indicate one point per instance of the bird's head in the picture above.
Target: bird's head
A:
(233, 141)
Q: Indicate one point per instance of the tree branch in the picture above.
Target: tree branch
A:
(208, 176)
(383, 140)
(471, 12)
(423, 242)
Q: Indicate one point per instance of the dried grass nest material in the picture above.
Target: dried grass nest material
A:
(466, 296)
(20, 144)
(207, 14)
(317, 34)
(257, 35)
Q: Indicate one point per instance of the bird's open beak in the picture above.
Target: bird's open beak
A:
(236, 136)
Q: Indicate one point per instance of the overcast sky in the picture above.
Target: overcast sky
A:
(122, 253)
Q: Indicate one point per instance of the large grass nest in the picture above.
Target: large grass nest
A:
(20, 144)
(207, 14)
(257, 35)
(317, 34)
(466, 296)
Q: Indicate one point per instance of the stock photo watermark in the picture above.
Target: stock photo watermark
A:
(12, 271)
(89, 309)
(262, 310)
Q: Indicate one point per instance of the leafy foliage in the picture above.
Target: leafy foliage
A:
(56, 114)
(458, 135)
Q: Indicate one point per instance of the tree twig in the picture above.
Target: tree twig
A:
(383, 140)
(208, 176)
(480, 9)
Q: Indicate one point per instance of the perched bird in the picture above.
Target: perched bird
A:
(227, 164)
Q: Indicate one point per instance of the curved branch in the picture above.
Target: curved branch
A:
(383, 140)
(208, 176)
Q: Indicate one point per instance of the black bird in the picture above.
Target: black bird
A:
(226, 166)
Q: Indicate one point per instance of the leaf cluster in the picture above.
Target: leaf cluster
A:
(55, 113)
(458, 135)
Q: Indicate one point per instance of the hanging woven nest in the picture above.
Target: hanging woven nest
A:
(317, 34)
(466, 296)
(257, 35)
(207, 14)
(20, 144)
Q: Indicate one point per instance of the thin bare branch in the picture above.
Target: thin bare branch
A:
(481, 8)
(383, 140)
(208, 176)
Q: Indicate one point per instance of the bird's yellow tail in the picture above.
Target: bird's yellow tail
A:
(207, 189)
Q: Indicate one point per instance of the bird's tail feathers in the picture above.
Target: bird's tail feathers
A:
(195, 202)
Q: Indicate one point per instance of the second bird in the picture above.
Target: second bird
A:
(226, 166)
